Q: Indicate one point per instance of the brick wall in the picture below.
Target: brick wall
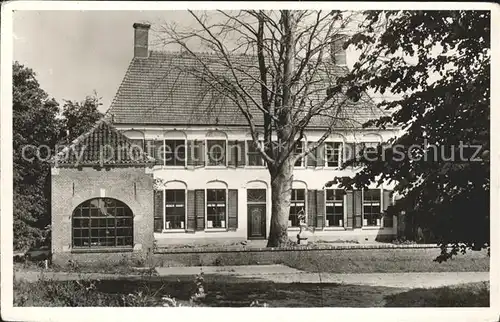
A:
(71, 186)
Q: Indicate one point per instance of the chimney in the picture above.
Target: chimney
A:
(337, 49)
(141, 31)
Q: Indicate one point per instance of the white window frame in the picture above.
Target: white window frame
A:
(305, 207)
(207, 165)
(341, 227)
(303, 160)
(225, 208)
(185, 153)
(381, 194)
(164, 229)
(341, 151)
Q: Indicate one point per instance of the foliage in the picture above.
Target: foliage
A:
(37, 128)
(79, 117)
(34, 125)
(437, 65)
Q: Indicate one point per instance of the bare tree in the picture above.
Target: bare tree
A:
(277, 67)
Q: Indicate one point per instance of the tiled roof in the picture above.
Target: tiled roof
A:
(165, 89)
(102, 145)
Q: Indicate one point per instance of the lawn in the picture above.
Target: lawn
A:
(388, 261)
(340, 261)
(221, 292)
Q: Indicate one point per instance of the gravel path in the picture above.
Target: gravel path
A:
(285, 274)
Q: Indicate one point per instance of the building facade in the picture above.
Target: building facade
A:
(199, 178)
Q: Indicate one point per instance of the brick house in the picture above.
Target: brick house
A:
(198, 193)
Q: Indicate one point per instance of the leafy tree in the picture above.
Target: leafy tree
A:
(277, 68)
(35, 131)
(79, 117)
(37, 127)
(437, 63)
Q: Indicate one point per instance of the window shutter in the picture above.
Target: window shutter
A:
(320, 208)
(242, 154)
(311, 207)
(195, 153)
(358, 208)
(200, 209)
(236, 154)
(159, 152)
(232, 156)
(311, 157)
(202, 154)
(149, 147)
(191, 211)
(349, 209)
(158, 205)
(320, 155)
(232, 209)
(189, 153)
(349, 152)
(388, 220)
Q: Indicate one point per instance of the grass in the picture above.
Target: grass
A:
(464, 295)
(227, 292)
(340, 261)
(331, 261)
(387, 261)
(218, 294)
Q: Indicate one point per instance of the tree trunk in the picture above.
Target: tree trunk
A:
(281, 191)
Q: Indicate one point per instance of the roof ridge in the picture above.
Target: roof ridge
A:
(211, 53)
(98, 125)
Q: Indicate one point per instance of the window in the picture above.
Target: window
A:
(254, 157)
(297, 207)
(333, 154)
(216, 208)
(175, 209)
(175, 152)
(299, 148)
(102, 222)
(334, 208)
(216, 152)
(371, 207)
(256, 196)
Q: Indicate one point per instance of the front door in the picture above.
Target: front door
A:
(256, 211)
(256, 221)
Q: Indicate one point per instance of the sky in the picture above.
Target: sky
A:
(75, 53)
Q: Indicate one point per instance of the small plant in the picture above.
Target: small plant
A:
(170, 302)
(256, 303)
(199, 292)
(73, 265)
